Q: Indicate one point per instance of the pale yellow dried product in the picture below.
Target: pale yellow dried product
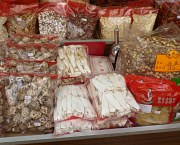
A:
(3, 30)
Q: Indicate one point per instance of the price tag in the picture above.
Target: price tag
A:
(145, 108)
(157, 112)
(27, 99)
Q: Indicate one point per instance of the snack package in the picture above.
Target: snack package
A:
(156, 98)
(29, 67)
(29, 104)
(4, 12)
(155, 55)
(24, 39)
(144, 19)
(52, 19)
(22, 19)
(70, 126)
(73, 61)
(82, 20)
(38, 52)
(114, 16)
(110, 97)
(73, 102)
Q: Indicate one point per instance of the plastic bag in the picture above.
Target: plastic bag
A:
(29, 104)
(82, 20)
(29, 67)
(73, 61)
(22, 19)
(155, 55)
(3, 47)
(4, 12)
(156, 98)
(73, 102)
(52, 19)
(70, 126)
(113, 16)
(111, 97)
(38, 52)
(34, 38)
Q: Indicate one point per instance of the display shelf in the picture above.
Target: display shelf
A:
(90, 135)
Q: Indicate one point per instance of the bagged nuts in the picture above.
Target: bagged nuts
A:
(29, 104)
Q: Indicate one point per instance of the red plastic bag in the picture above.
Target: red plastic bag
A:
(156, 97)
(24, 2)
(22, 19)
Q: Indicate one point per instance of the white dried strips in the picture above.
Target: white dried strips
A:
(52, 23)
(32, 52)
(29, 104)
(108, 24)
(73, 100)
(73, 61)
(111, 97)
(143, 23)
(3, 30)
(71, 126)
(29, 67)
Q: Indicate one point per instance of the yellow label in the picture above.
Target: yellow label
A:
(168, 63)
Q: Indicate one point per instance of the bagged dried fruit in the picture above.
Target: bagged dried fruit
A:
(22, 19)
(156, 97)
(114, 16)
(73, 102)
(156, 55)
(111, 98)
(29, 67)
(29, 104)
(52, 19)
(38, 52)
(34, 38)
(3, 47)
(82, 20)
(4, 12)
(73, 61)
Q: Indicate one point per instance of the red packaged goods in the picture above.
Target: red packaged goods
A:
(22, 19)
(82, 19)
(156, 98)
(21, 2)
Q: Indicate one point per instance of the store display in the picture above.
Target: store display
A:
(29, 104)
(52, 19)
(73, 61)
(154, 55)
(73, 102)
(34, 38)
(39, 52)
(82, 20)
(111, 17)
(156, 98)
(22, 19)
(30, 67)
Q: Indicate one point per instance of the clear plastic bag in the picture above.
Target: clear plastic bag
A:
(73, 102)
(155, 55)
(22, 19)
(82, 19)
(38, 52)
(29, 104)
(156, 98)
(52, 19)
(111, 97)
(24, 39)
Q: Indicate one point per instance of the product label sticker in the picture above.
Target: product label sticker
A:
(145, 108)
(30, 54)
(168, 63)
(37, 124)
(157, 112)
(27, 99)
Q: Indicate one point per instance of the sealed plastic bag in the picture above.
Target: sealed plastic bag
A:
(52, 19)
(30, 67)
(29, 104)
(156, 98)
(113, 16)
(22, 19)
(34, 38)
(82, 20)
(111, 97)
(38, 52)
(155, 55)
(73, 102)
